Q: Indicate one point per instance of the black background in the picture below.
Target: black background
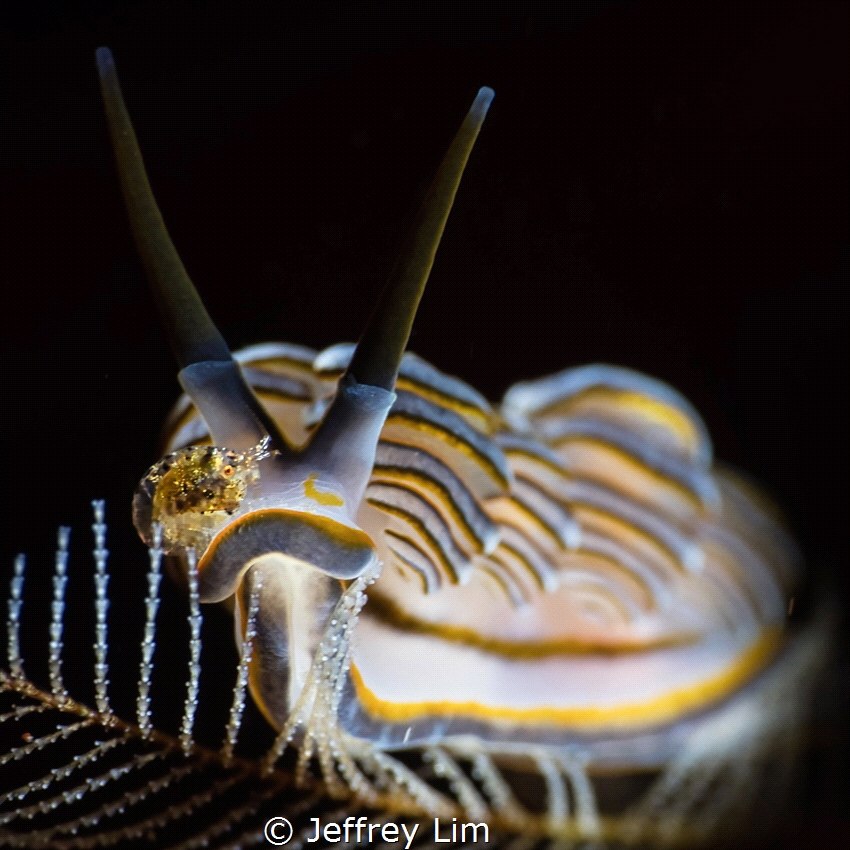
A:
(659, 185)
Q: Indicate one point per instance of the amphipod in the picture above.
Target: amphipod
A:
(565, 584)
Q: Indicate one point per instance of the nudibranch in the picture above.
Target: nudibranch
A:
(566, 579)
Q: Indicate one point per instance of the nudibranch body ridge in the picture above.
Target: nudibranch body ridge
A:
(566, 567)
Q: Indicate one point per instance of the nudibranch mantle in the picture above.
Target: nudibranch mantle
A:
(568, 568)
(566, 578)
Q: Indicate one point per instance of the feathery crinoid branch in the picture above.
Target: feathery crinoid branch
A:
(76, 776)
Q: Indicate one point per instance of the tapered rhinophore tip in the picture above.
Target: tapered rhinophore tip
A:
(209, 374)
(190, 330)
(378, 354)
(345, 442)
(105, 62)
(481, 104)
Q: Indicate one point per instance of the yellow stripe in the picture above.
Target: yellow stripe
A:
(266, 394)
(449, 438)
(525, 510)
(651, 411)
(279, 395)
(276, 365)
(526, 454)
(388, 611)
(407, 562)
(500, 576)
(575, 506)
(622, 575)
(505, 546)
(483, 422)
(414, 522)
(600, 519)
(498, 566)
(415, 479)
(323, 497)
(666, 708)
(638, 466)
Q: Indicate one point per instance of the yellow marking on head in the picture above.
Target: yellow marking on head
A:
(661, 709)
(323, 497)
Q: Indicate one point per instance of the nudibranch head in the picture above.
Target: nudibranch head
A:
(283, 513)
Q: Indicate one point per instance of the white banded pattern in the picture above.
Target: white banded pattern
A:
(570, 567)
